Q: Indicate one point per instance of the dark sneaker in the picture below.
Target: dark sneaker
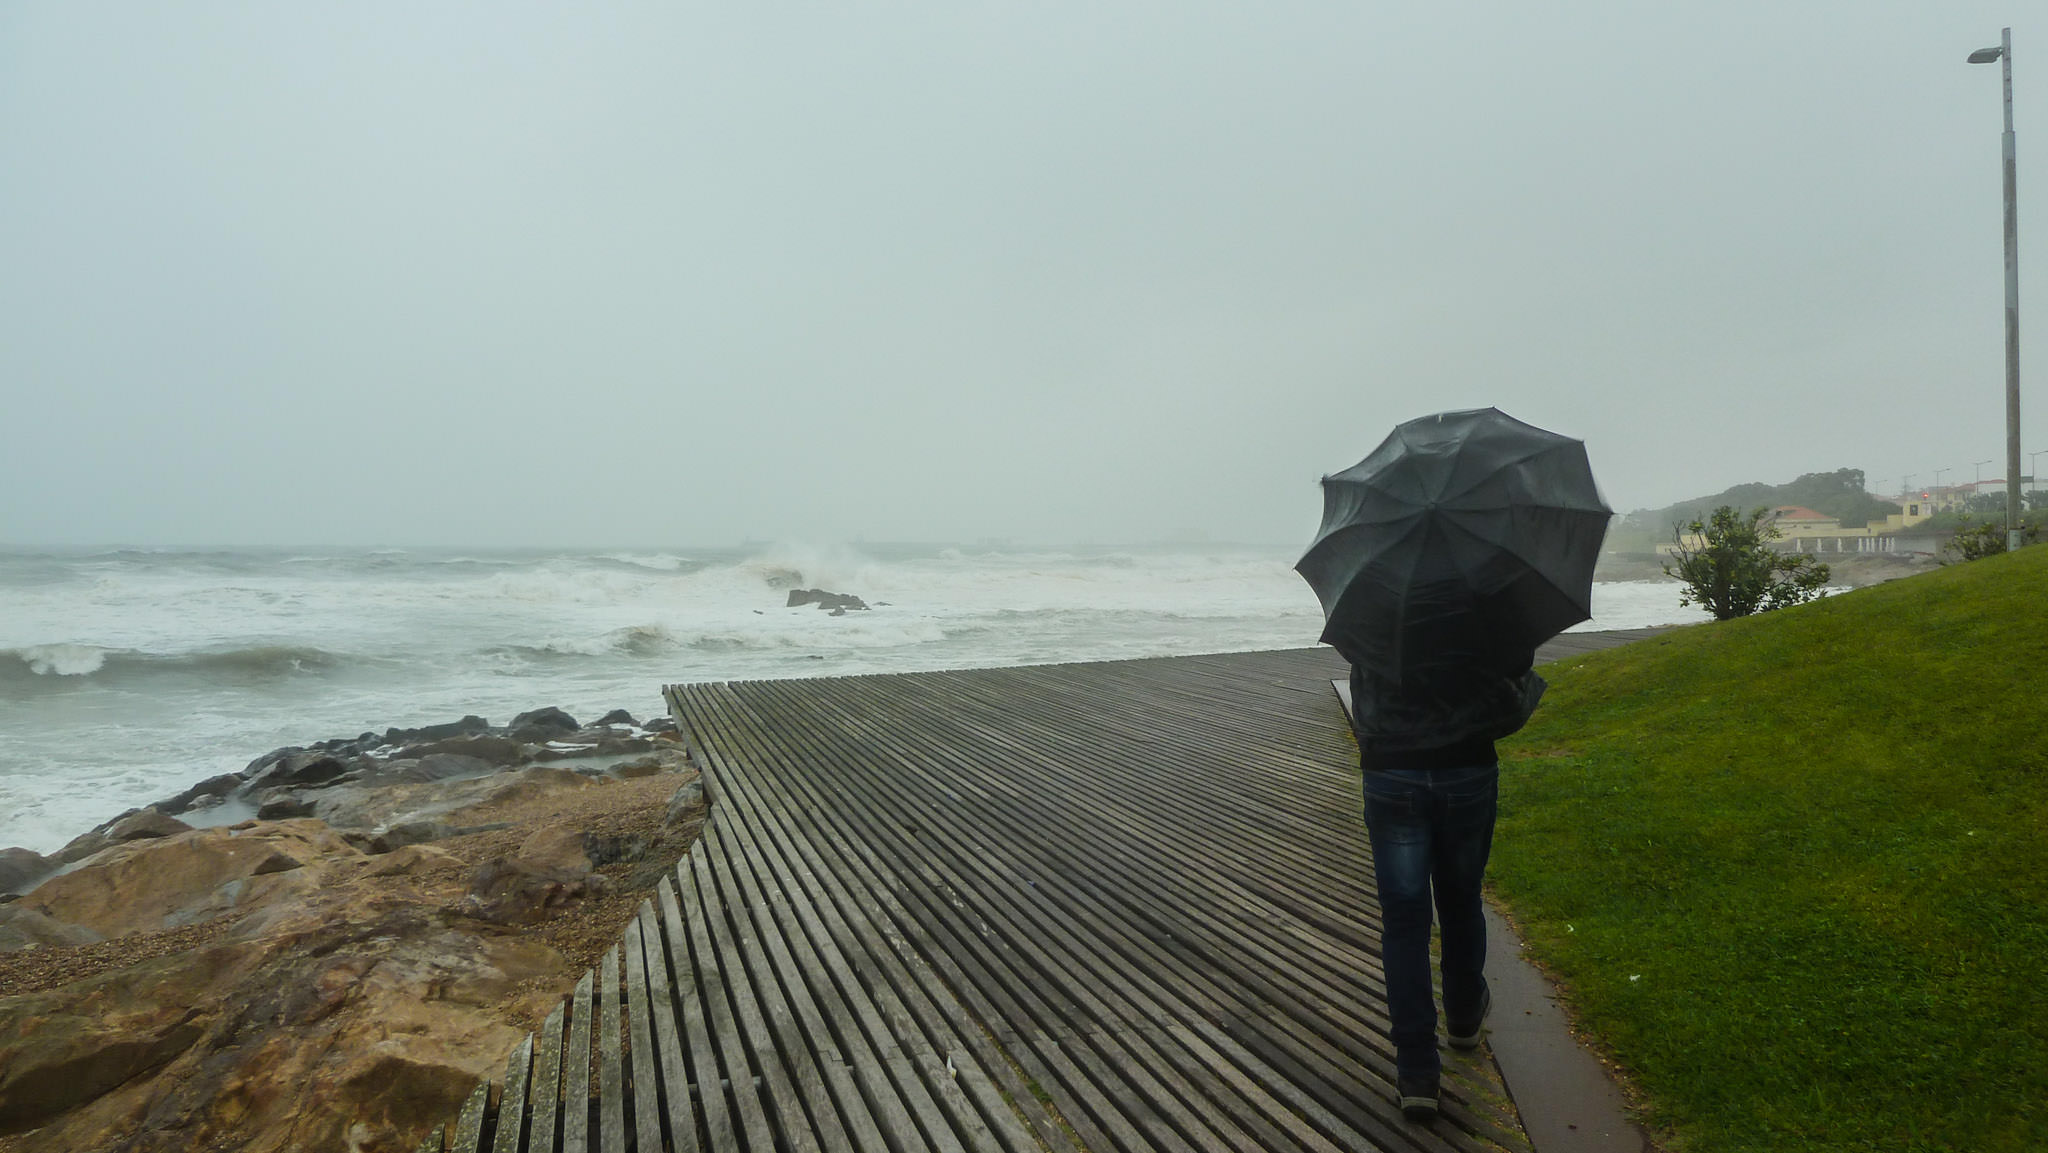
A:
(1419, 1098)
(1463, 1034)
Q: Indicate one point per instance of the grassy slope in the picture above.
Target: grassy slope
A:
(1794, 868)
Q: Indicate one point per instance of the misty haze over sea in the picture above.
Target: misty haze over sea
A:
(127, 675)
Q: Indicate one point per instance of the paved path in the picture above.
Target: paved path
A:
(1116, 906)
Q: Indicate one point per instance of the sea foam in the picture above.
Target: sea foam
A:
(125, 677)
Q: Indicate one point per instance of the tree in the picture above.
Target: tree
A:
(1840, 494)
(1730, 568)
(1975, 541)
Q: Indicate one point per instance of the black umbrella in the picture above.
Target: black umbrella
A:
(1464, 538)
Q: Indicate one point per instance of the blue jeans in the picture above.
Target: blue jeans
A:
(1430, 825)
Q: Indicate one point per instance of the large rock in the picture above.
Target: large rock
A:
(349, 1001)
(65, 1047)
(838, 602)
(284, 807)
(188, 878)
(24, 928)
(556, 847)
(354, 1028)
(133, 825)
(469, 724)
(487, 747)
(685, 803)
(432, 767)
(20, 868)
(550, 719)
(211, 788)
(303, 768)
(509, 891)
(371, 805)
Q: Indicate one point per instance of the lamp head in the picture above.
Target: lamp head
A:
(1986, 55)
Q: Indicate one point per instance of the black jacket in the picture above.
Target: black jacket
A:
(1445, 719)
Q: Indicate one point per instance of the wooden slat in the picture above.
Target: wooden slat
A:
(1205, 1080)
(1155, 1093)
(945, 1048)
(646, 1078)
(1138, 889)
(1001, 1000)
(469, 1125)
(703, 1053)
(546, 1092)
(611, 1092)
(752, 1131)
(811, 958)
(853, 1075)
(675, 1078)
(512, 1105)
(432, 1144)
(789, 1078)
(1184, 1093)
(576, 1069)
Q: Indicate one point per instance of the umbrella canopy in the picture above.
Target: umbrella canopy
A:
(1464, 538)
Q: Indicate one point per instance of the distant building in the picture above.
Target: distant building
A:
(1798, 521)
(1802, 529)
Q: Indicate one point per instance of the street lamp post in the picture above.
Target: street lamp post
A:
(2033, 478)
(2003, 54)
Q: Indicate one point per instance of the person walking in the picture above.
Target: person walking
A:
(1426, 751)
(1445, 557)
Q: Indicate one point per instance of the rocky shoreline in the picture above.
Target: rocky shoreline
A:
(326, 949)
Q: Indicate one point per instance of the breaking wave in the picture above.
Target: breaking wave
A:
(55, 664)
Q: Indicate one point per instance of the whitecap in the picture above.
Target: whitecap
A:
(63, 660)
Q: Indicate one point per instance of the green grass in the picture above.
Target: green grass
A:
(1793, 869)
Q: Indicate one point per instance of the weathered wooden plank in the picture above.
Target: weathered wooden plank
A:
(732, 1051)
(703, 1055)
(646, 1079)
(810, 959)
(1148, 880)
(1199, 1076)
(1008, 1000)
(675, 1078)
(433, 1141)
(1214, 899)
(576, 1069)
(611, 1092)
(469, 1125)
(789, 1078)
(512, 1104)
(917, 968)
(546, 1091)
(984, 1100)
(852, 1075)
(1334, 1068)
(1273, 1112)
(1113, 1054)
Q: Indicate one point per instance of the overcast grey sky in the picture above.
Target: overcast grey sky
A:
(685, 274)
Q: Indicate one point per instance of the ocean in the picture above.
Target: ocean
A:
(127, 675)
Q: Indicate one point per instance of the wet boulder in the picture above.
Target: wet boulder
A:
(838, 602)
(20, 868)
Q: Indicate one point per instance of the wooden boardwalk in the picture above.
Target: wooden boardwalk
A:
(1115, 906)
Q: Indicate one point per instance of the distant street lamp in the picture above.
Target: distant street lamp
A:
(2003, 54)
(1937, 482)
(2033, 477)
